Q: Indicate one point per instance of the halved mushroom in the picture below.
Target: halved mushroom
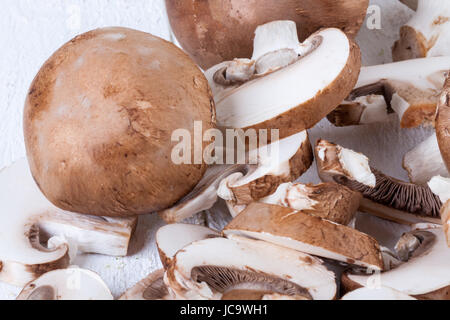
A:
(381, 293)
(303, 232)
(424, 276)
(384, 196)
(67, 284)
(220, 267)
(409, 89)
(280, 162)
(294, 84)
(441, 187)
(29, 220)
(172, 238)
(427, 33)
(150, 288)
(267, 167)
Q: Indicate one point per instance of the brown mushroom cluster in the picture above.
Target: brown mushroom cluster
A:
(99, 127)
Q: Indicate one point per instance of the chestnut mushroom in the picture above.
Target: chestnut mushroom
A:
(99, 120)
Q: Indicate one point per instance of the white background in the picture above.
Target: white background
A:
(31, 30)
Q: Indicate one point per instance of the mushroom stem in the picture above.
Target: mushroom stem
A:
(441, 187)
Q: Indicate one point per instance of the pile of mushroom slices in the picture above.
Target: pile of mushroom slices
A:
(37, 239)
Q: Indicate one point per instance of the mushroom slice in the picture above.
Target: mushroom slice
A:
(203, 196)
(441, 187)
(174, 237)
(427, 33)
(67, 284)
(150, 288)
(30, 220)
(409, 89)
(380, 293)
(425, 161)
(303, 232)
(279, 162)
(443, 124)
(425, 276)
(295, 84)
(212, 268)
(384, 196)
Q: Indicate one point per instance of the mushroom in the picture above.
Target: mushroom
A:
(67, 284)
(99, 121)
(409, 89)
(172, 238)
(216, 268)
(267, 167)
(381, 293)
(214, 31)
(424, 276)
(427, 33)
(330, 201)
(150, 288)
(384, 196)
(310, 234)
(441, 187)
(37, 237)
(432, 157)
(325, 67)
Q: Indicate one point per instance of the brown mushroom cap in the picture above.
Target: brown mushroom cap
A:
(220, 30)
(443, 124)
(99, 118)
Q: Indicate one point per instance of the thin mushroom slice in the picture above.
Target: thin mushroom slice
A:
(441, 187)
(150, 288)
(303, 232)
(379, 293)
(409, 89)
(424, 276)
(325, 67)
(36, 236)
(67, 284)
(172, 238)
(427, 33)
(443, 124)
(384, 196)
(279, 162)
(211, 269)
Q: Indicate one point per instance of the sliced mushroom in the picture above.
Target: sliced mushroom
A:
(282, 161)
(443, 123)
(427, 33)
(303, 232)
(425, 161)
(409, 89)
(172, 238)
(67, 284)
(211, 269)
(150, 288)
(267, 167)
(425, 276)
(441, 187)
(325, 67)
(31, 220)
(380, 293)
(384, 196)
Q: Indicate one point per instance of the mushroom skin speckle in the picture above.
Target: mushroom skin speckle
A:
(213, 31)
(99, 119)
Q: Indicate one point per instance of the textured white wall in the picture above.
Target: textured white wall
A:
(31, 30)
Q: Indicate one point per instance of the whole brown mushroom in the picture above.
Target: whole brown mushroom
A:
(212, 31)
(99, 119)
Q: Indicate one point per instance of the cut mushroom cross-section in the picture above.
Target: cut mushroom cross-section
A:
(299, 84)
(150, 288)
(443, 123)
(381, 293)
(383, 195)
(67, 284)
(441, 187)
(214, 268)
(29, 220)
(409, 89)
(306, 233)
(427, 34)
